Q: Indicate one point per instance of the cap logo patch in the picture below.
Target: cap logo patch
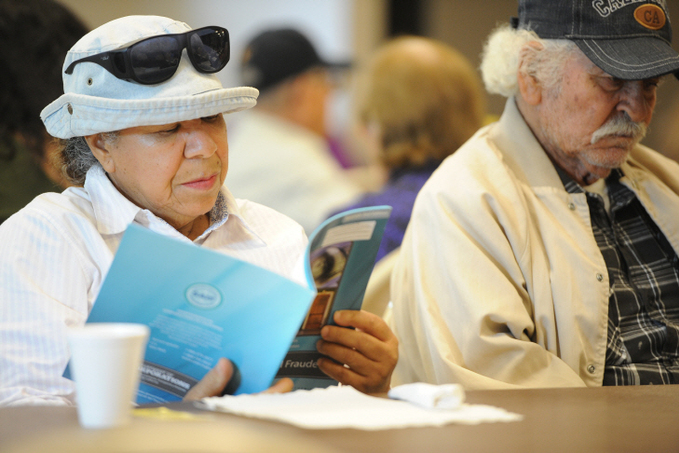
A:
(650, 16)
(607, 7)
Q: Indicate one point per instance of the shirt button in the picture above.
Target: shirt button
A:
(571, 206)
(591, 369)
(599, 277)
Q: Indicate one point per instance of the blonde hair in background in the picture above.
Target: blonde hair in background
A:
(423, 98)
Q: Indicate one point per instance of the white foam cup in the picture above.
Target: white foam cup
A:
(105, 363)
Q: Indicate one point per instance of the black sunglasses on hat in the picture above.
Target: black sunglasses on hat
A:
(154, 60)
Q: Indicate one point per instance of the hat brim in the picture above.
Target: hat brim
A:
(75, 115)
(631, 58)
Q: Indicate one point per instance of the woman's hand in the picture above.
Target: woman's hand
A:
(369, 351)
(216, 379)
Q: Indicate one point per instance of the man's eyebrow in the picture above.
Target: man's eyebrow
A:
(597, 71)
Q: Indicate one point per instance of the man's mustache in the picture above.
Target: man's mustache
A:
(620, 126)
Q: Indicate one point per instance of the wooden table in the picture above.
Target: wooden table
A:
(623, 419)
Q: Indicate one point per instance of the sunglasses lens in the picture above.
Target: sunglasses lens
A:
(209, 48)
(156, 59)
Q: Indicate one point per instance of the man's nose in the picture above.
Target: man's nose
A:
(637, 101)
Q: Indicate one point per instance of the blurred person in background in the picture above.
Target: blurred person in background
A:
(34, 38)
(420, 101)
(280, 151)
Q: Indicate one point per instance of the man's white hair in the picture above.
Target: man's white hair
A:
(506, 46)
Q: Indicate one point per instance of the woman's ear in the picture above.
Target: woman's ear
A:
(100, 149)
(530, 87)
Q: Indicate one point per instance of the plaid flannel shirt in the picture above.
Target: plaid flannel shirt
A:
(643, 270)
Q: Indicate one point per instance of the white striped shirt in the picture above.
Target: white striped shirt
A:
(55, 253)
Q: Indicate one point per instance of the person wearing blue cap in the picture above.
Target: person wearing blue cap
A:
(143, 139)
(543, 253)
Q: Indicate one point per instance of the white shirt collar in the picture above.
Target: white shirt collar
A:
(114, 212)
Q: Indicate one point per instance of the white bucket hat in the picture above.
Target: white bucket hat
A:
(96, 101)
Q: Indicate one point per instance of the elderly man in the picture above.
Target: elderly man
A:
(543, 253)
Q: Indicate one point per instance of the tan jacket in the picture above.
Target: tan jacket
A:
(500, 282)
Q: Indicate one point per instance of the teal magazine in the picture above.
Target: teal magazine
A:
(202, 305)
(342, 253)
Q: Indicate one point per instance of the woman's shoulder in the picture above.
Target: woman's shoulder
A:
(54, 213)
(281, 242)
(267, 222)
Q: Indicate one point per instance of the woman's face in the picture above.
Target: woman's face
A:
(174, 170)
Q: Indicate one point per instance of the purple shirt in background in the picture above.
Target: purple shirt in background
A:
(399, 192)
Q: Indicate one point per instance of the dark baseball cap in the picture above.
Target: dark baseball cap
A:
(276, 55)
(629, 39)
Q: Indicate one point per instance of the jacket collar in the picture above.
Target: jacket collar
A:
(521, 150)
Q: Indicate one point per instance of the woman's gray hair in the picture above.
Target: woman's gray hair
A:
(77, 157)
(507, 46)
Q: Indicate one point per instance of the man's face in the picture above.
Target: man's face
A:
(590, 121)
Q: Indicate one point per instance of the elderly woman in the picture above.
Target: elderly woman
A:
(145, 142)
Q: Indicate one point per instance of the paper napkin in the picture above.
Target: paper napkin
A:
(344, 407)
(430, 396)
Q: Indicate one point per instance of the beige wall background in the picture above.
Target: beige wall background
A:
(352, 29)
(329, 23)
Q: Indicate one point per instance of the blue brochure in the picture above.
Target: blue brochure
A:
(342, 254)
(200, 305)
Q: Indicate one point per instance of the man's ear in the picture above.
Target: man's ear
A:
(99, 147)
(530, 87)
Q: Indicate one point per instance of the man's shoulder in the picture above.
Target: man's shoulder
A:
(479, 160)
(645, 162)
(260, 128)
(642, 153)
